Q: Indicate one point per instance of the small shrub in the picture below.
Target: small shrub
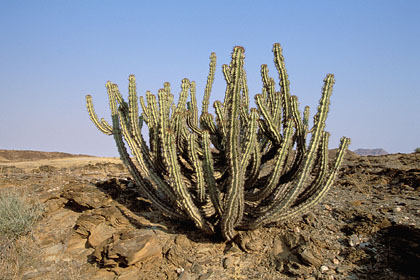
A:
(17, 215)
(417, 150)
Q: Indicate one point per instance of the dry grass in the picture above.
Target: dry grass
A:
(15, 255)
(18, 213)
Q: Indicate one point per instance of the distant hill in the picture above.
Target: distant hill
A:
(23, 155)
(371, 152)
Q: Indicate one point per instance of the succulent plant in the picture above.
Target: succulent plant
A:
(238, 170)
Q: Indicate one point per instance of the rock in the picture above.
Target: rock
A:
(85, 196)
(133, 247)
(278, 246)
(205, 276)
(75, 241)
(354, 240)
(100, 224)
(384, 224)
(230, 262)
(197, 269)
(247, 242)
(53, 252)
(307, 256)
(341, 269)
(99, 234)
(364, 245)
(185, 275)
(140, 221)
(324, 268)
(113, 216)
(297, 269)
(232, 249)
(103, 275)
(254, 245)
(76, 247)
(129, 273)
(287, 249)
(55, 230)
(86, 222)
(176, 255)
(54, 204)
(179, 270)
(292, 240)
(182, 241)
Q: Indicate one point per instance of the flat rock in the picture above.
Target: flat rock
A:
(113, 216)
(99, 234)
(85, 196)
(56, 228)
(129, 273)
(103, 275)
(76, 246)
(133, 247)
(86, 222)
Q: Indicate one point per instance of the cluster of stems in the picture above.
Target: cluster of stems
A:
(240, 170)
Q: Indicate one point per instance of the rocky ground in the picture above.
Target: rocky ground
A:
(96, 226)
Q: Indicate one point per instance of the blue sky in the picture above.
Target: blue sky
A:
(53, 53)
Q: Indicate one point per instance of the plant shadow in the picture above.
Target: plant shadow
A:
(125, 192)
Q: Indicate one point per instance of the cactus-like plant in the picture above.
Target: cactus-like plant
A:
(237, 171)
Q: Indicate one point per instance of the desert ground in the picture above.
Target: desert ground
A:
(94, 224)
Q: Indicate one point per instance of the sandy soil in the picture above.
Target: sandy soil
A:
(70, 162)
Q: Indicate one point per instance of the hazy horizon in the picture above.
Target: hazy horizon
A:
(53, 53)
